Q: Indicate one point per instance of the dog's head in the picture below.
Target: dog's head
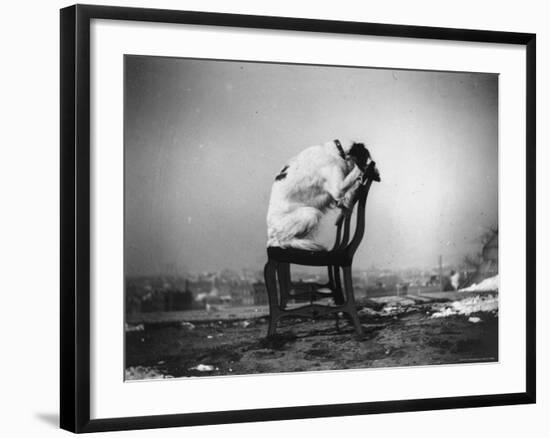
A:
(360, 154)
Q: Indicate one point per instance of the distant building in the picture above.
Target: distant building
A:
(153, 302)
(178, 300)
(489, 259)
(489, 254)
(242, 295)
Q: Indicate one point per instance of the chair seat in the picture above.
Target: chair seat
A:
(307, 257)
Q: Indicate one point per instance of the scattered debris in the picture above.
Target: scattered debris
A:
(393, 306)
(399, 331)
(142, 373)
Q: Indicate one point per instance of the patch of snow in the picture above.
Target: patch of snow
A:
(201, 367)
(489, 284)
(474, 319)
(447, 311)
(468, 306)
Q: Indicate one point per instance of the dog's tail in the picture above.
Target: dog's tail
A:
(305, 244)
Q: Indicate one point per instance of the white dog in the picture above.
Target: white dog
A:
(318, 178)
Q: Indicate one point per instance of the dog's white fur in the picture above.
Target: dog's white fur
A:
(317, 179)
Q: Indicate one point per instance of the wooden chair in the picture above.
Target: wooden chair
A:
(338, 260)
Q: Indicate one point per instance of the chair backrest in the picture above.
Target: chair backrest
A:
(343, 223)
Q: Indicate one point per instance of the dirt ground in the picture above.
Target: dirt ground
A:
(398, 332)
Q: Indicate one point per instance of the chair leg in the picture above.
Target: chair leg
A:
(270, 277)
(285, 283)
(330, 277)
(337, 291)
(350, 300)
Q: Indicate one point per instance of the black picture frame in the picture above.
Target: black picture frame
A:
(75, 217)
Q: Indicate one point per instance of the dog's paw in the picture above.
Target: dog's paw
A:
(343, 204)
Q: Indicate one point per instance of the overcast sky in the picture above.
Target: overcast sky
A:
(204, 140)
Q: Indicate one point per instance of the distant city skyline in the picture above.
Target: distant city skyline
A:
(182, 272)
(204, 140)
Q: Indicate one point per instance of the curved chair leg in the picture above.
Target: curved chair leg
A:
(330, 269)
(270, 276)
(336, 292)
(338, 295)
(285, 283)
(350, 300)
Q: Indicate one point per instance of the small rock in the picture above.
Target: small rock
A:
(134, 328)
(367, 311)
(203, 368)
(474, 319)
(188, 325)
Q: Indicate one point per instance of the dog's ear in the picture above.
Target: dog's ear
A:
(360, 153)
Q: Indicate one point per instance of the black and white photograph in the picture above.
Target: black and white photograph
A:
(283, 218)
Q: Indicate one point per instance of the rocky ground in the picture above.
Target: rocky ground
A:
(399, 331)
